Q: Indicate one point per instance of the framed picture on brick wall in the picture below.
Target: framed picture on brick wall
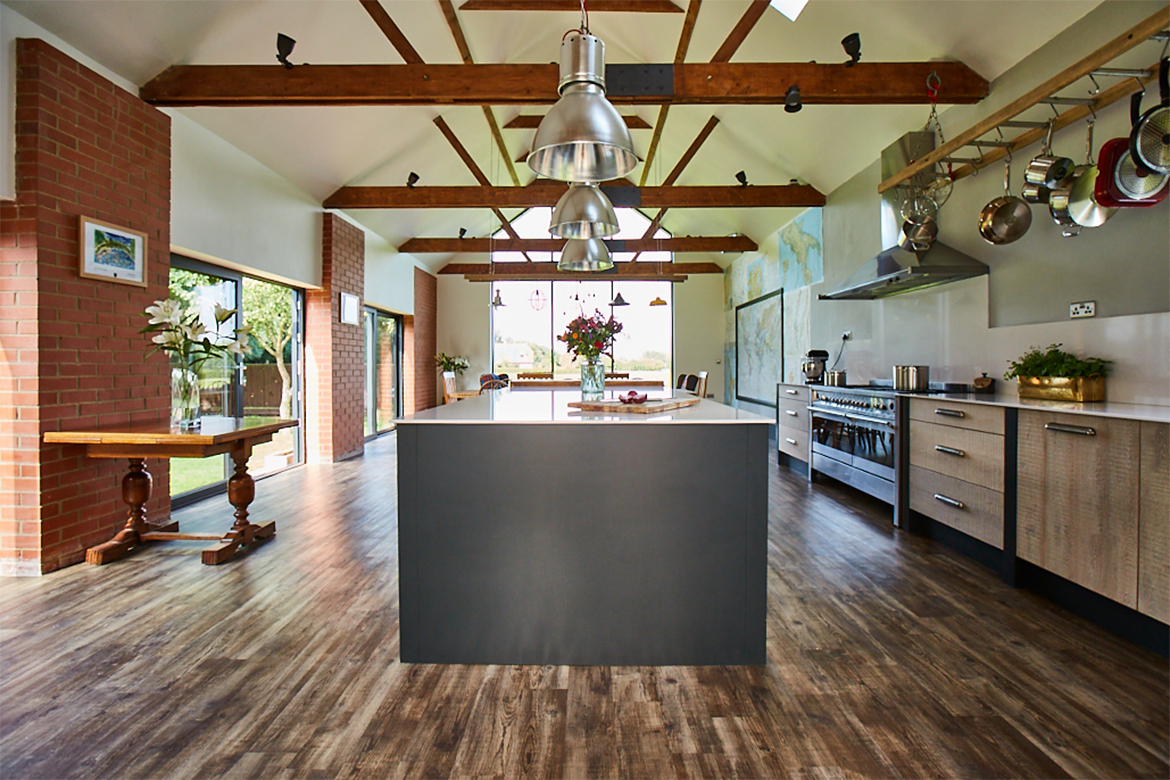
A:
(113, 253)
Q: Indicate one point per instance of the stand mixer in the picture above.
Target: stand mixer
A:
(813, 366)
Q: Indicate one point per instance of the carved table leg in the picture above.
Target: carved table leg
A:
(241, 490)
(135, 492)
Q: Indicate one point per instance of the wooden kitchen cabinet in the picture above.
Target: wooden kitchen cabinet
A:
(957, 466)
(1154, 522)
(792, 420)
(1077, 508)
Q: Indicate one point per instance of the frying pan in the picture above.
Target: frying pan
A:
(1084, 210)
(1007, 218)
(1125, 184)
(1149, 140)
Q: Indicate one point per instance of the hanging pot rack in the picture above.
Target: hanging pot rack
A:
(1092, 65)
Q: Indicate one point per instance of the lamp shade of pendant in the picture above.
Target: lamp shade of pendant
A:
(583, 212)
(585, 255)
(582, 138)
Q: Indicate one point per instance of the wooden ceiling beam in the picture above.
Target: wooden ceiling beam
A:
(738, 33)
(574, 6)
(867, 83)
(544, 192)
(424, 246)
(532, 121)
(391, 31)
(516, 269)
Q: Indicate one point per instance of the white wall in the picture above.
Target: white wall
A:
(13, 26)
(698, 329)
(389, 276)
(227, 205)
(464, 326)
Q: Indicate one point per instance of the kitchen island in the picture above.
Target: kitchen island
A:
(532, 533)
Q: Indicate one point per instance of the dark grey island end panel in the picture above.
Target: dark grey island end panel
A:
(583, 544)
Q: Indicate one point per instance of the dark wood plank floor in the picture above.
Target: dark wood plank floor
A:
(888, 657)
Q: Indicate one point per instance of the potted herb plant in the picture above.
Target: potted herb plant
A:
(1056, 375)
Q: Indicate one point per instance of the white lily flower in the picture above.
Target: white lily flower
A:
(243, 331)
(194, 331)
(222, 315)
(235, 347)
(167, 312)
(168, 338)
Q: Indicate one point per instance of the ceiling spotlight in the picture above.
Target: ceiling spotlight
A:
(412, 179)
(462, 232)
(741, 177)
(585, 255)
(497, 301)
(284, 47)
(658, 301)
(618, 300)
(582, 137)
(852, 46)
(792, 101)
(583, 212)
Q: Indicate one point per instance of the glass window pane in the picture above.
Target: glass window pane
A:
(574, 299)
(522, 328)
(645, 345)
(387, 371)
(269, 370)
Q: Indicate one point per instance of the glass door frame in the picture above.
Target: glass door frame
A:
(237, 391)
(370, 315)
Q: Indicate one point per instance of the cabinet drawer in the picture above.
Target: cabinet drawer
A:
(1077, 507)
(1154, 522)
(936, 495)
(793, 392)
(794, 414)
(793, 442)
(976, 417)
(971, 456)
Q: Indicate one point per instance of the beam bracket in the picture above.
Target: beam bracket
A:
(628, 80)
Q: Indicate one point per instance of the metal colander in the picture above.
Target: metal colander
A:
(1133, 185)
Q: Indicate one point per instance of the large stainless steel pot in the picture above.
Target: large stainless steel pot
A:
(911, 378)
(1048, 170)
(835, 379)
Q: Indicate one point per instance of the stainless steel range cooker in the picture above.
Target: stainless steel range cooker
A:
(853, 435)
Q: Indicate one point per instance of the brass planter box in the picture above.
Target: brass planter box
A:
(1062, 388)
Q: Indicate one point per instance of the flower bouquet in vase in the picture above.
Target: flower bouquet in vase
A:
(181, 334)
(591, 338)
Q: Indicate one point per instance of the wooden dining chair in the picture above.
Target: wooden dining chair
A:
(701, 385)
(450, 393)
(681, 383)
(691, 383)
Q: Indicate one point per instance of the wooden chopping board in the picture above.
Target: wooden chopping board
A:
(650, 407)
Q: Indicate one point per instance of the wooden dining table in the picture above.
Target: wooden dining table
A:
(216, 435)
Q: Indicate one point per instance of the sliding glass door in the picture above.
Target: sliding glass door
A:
(266, 382)
(383, 338)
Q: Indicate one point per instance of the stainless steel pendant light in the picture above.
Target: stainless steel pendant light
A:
(582, 138)
(583, 212)
(585, 255)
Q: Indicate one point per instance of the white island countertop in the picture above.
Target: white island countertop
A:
(552, 406)
(1147, 412)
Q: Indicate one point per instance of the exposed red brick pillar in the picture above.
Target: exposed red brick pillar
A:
(409, 381)
(426, 292)
(70, 351)
(335, 351)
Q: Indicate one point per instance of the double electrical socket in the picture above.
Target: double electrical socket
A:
(1082, 309)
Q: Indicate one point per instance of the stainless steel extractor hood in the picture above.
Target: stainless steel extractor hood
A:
(896, 270)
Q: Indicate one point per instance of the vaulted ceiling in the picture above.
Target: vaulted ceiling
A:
(323, 148)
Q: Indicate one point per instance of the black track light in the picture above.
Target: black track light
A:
(284, 48)
(411, 180)
(741, 177)
(852, 45)
(462, 232)
(792, 101)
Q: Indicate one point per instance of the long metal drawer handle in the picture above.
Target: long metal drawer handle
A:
(791, 392)
(950, 412)
(1062, 428)
(949, 500)
(790, 441)
(950, 451)
(790, 412)
(858, 417)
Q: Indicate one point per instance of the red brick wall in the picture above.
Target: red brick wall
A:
(70, 351)
(386, 373)
(426, 292)
(335, 352)
(409, 380)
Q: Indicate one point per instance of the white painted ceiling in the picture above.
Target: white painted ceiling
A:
(321, 149)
